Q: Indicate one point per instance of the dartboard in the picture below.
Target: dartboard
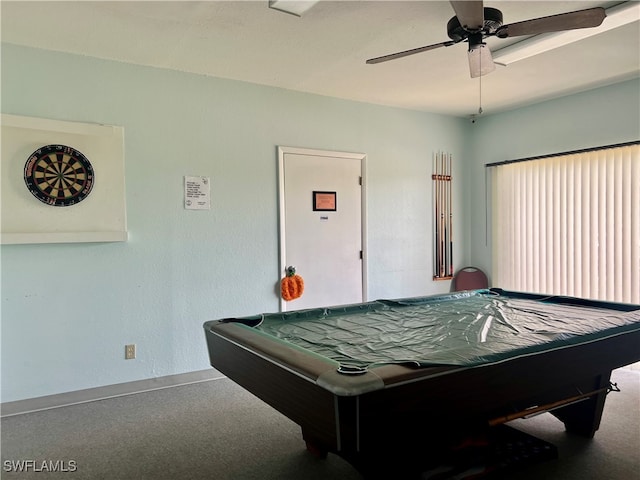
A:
(58, 175)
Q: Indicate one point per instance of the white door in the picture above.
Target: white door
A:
(321, 225)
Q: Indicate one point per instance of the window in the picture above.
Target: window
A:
(569, 224)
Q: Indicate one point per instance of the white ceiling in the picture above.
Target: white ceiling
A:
(324, 51)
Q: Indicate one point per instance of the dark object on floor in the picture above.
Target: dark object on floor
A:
(491, 454)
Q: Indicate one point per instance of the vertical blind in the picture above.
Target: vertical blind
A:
(569, 224)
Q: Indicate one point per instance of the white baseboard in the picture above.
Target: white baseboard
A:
(29, 405)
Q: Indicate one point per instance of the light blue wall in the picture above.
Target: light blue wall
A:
(64, 329)
(68, 310)
(604, 116)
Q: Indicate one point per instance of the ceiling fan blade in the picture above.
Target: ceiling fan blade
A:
(591, 17)
(406, 53)
(470, 14)
(480, 60)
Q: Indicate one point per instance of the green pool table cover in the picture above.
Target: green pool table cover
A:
(464, 329)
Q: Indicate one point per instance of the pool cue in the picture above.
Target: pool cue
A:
(529, 412)
(440, 213)
(445, 218)
(442, 192)
(444, 225)
(450, 215)
(437, 216)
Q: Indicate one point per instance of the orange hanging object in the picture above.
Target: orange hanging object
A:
(292, 285)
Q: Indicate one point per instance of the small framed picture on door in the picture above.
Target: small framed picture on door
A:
(324, 201)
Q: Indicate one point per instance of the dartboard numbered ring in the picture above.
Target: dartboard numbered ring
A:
(59, 175)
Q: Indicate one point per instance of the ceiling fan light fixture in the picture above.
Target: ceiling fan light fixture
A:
(293, 7)
(617, 16)
(480, 60)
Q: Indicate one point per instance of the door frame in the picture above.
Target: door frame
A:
(282, 151)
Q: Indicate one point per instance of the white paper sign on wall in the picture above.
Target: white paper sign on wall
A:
(197, 193)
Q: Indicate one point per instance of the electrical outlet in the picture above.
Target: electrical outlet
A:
(130, 351)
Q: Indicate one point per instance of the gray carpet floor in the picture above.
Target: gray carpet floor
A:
(216, 430)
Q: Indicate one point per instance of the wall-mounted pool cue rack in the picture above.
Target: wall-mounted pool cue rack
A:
(443, 216)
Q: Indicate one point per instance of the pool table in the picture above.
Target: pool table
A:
(408, 409)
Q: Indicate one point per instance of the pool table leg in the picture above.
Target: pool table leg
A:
(315, 450)
(314, 447)
(379, 465)
(583, 418)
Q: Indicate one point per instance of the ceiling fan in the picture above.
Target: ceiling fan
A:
(474, 22)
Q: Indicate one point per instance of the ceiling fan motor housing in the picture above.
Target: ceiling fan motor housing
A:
(492, 21)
